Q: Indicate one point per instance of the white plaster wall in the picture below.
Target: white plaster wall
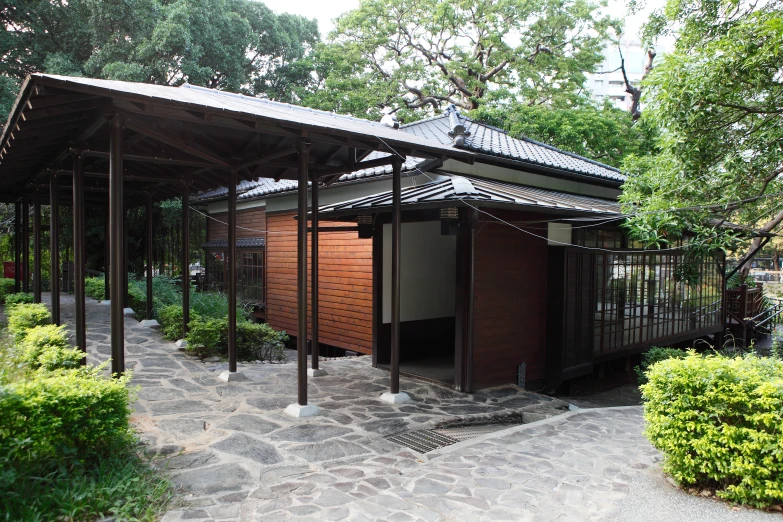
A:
(428, 271)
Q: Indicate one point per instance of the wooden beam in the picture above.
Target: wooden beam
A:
(176, 141)
(151, 159)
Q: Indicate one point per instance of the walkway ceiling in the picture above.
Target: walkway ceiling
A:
(177, 136)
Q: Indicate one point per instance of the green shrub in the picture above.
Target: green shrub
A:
(94, 287)
(23, 317)
(18, 298)
(47, 348)
(654, 355)
(260, 342)
(717, 420)
(207, 336)
(55, 414)
(170, 318)
(6, 287)
(137, 296)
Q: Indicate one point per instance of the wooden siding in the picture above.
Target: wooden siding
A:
(345, 286)
(252, 218)
(510, 298)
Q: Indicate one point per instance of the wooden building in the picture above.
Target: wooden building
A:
(513, 269)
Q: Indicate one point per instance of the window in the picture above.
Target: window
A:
(616, 83)
(250, 284)
(599, 83)
(250, 269)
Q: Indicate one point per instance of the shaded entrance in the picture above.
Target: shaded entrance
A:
(427, 322)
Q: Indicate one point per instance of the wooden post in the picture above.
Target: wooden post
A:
(37, 284)
(301, 275)
(25, 244)
(54, 244)
(17, 246)
(314, 277)
(78, 254)
(116, 248)
(149, 257)
(106, 256)
(125, 249)
(231, 272)
(185, 270)
(377, 292)
(395, 275)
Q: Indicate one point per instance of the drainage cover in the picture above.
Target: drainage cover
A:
(469, 432)
(422, 440)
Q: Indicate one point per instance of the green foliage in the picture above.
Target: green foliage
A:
(170, 318)
(654, 355)
(260, 342)
(95, 287)
(716, 99)
(6, 288)
(66, 450)
(234, 45)
(605, 134)
(408, 55)
(23, 317)
(56, 413)
(717, 421)
(18, 298)
(121, 483)
(207, 336)
(47, 348)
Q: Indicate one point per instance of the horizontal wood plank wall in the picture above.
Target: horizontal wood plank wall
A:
(509, 303)
(253, 218)
(345, 286)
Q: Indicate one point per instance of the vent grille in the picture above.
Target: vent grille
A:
(422, 441)
(425, 441)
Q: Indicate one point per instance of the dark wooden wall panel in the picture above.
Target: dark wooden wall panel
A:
(345, 272)
(509, 303)
(252, 218)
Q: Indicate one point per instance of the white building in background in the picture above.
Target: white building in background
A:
(608, 82)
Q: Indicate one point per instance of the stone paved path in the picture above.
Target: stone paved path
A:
(236, 456)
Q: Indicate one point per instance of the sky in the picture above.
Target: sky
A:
(325, 11)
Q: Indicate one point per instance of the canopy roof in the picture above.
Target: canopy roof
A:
(477, 192)
(176, 136)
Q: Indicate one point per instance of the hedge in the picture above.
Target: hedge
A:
(654, 355)
(23, 317)
(18, 298)
(47, 348)
(718, 421)
(254, 341)
(6, 288)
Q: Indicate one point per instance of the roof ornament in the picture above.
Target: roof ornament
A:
(458, 133)
(390, 120)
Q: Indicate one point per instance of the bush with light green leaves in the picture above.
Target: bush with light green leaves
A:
(23, 317)
(47, 348)
(718, 421)
(6, 288)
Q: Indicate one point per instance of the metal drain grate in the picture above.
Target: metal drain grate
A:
(422, 440)
(470, 432)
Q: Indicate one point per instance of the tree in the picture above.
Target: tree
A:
(234, 45)
(421, 54)
(717, 100)
(605, 133)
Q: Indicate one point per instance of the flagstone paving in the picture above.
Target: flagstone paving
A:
(235, 455)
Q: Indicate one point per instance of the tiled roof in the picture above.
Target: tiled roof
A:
(492, 141)
(483, 138)
(458, 188)
(262, 187)
(249, 242)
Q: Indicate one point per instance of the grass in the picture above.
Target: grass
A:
(122, 485)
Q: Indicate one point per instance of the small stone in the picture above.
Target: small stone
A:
(705, 493)
(776, 507)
